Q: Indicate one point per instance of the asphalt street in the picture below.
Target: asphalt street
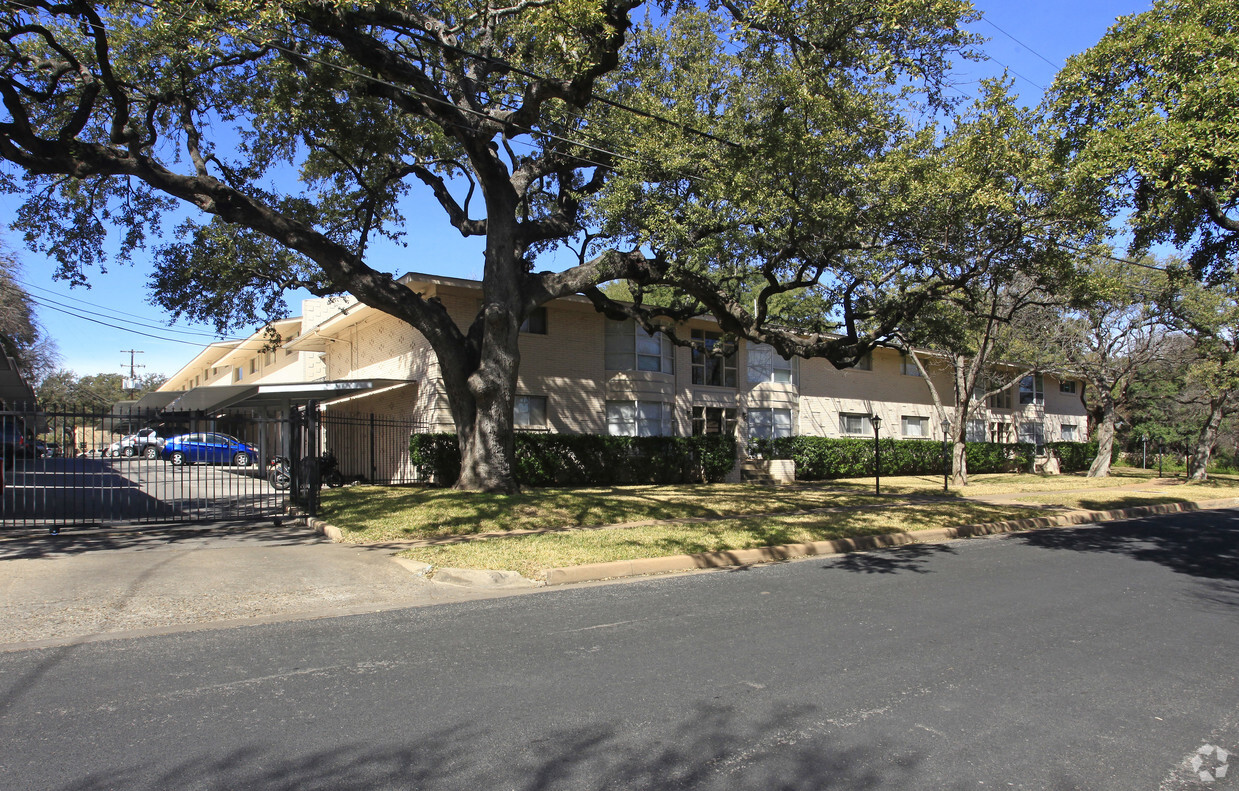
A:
(1087, 658)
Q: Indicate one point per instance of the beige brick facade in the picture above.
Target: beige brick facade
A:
(339, 339)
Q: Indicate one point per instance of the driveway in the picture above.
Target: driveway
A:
(94, 583)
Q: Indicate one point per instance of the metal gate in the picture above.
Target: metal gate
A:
(82, 466)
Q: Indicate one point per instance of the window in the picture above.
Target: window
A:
(1032, 391)
(709, 369)
(865, 362)
(766, 365)
(288, 352)
(1000, 432)
(770, 423)
(529, 411)
(976, 431)
(271, 357)
(631, 348)
(1000, 400)
(253, 365)
(214, 371)
(1032, 432)
(1069, 431)
(638, 419)
(852, 424)
(915, 426)
(195, 381)
(238, 374)
(535, 322)
(1067, 386)
(909, 366)
(713, 420)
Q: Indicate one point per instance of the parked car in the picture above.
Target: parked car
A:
(146, 443)
(14, 442)
(208, 448)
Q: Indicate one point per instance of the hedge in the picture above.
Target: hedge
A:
(822, 458)
(589, 459)
(1077, 456)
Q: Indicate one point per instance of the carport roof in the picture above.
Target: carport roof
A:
(209, 399)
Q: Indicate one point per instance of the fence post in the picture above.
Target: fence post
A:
(373, 468)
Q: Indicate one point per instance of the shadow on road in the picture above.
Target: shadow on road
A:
(150, 537)
(711, 747)
(1204, 545)
(910, 558)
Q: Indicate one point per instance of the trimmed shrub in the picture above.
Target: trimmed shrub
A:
(823, 458)
(1077, 456)
(589, 459)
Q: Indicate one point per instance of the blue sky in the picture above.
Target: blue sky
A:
(1047, 33)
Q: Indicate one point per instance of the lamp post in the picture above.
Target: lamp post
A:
(946, 459)
(877, 456)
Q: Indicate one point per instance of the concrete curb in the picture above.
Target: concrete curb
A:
(746, 557)
(330, 531)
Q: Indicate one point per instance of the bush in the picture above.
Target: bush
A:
(1077, 456)
(589, 459)
(823, 458)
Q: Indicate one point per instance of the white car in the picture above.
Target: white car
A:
(146, 443)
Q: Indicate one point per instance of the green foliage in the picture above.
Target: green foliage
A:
(1150, 121)
(823, 458)
(590, 459)
(1077, 456)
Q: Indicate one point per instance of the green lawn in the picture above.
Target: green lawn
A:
(373, 513)
(393, 513)
(531, 554)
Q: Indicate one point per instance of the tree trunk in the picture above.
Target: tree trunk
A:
(484, 422)
(1100, 468)
(1198, 471)
(959, 463)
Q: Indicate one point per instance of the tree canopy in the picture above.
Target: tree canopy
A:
(1150, 120)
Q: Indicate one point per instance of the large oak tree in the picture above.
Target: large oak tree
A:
(746, 142)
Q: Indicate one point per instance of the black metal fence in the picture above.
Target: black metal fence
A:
(72, 465)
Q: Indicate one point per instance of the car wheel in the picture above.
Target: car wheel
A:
(150, 452)
(241, 459)
(129, 452)
(177, 459)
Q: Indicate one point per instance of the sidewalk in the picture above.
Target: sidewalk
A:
(103, 583)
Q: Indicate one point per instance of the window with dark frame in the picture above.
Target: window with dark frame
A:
(1067, 386)
(1032, 390)
(714, 420)
(709, 369)
(535, 322)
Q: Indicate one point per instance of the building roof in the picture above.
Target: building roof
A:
(14, 390)
(204, 359)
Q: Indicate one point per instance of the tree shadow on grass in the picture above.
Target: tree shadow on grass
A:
(712, 746)
(892, 561)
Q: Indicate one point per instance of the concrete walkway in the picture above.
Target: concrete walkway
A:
(90, 584)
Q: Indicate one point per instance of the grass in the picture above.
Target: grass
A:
(371, 513)
(376, 513)
(530, 554)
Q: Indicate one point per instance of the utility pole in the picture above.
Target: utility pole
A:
(131, 384)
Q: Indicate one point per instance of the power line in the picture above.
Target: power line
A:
(1052, 64)
(122, 315)
(117, 326)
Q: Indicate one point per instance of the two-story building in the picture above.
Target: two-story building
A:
(583, 373)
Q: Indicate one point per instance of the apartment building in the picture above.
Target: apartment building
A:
(583, 373)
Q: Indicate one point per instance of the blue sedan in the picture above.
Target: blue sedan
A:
(208, 448)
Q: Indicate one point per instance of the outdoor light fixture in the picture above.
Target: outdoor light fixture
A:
(877, 455)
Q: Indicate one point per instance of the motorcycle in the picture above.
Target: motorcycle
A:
(279, 473)
(324, 468)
